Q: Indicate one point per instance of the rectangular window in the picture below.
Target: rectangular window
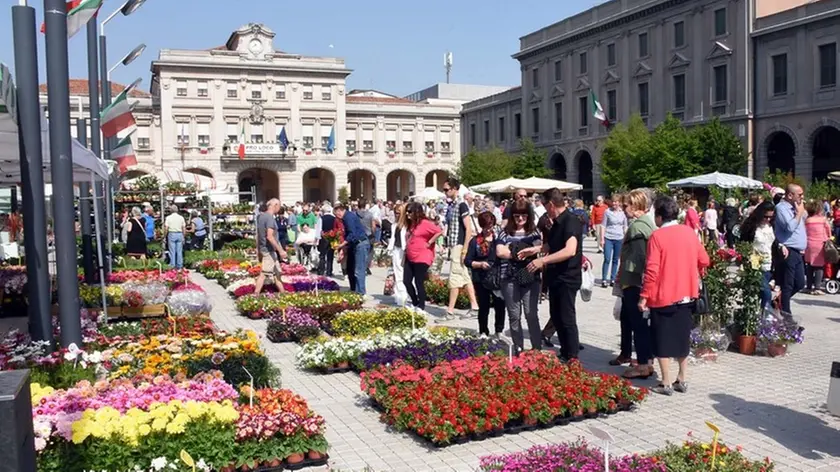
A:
(143, 143)
(721, 94)
(232, 90)
(517, 125)
(558, 116)
(429, 138)
(351, 143)
(584, 63)
(307, 92)
(280, 92)
(610, 55)
(501, 129)
(202, 89)
(643, 44)
(408, 145)
(558, 70)
(232, 132)
(486, 131)
(780, 74)
(308, 136)
(183, 134)
(326, 130)
(326, 93)
(256, 133)
(203, 132)
(612, 105)
(535, 77)
(367, 140)
(583, 105)
(720, 22)
(181, 88)
(828, 65)
(679, 34)
(444, 141)
(644, 99)
(535, 121)
(391, 140)
(679, 92)
(256, 91)
(472, 134)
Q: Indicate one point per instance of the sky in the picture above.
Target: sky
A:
(395, 47)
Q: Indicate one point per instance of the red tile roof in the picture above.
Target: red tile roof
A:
(79, 87)
(363, 99)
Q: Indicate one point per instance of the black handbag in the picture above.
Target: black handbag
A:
(701, 305)
(519, 267)
(492, 278)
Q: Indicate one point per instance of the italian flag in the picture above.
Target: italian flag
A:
(117, 116)
(123, 154)
(79, 13)
(242, 142)
(598, 110)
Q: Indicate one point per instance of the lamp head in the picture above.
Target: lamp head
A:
(133, 54)
(131, 6)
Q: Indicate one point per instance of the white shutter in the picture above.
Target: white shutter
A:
(325, 89)
(203, 129)
(325, 130)
(256, 129)
(143, 132)
(233, 129)
(307, 88)
(308, 131)
(391, 135)
(367, 135)
(429, 136)
(444, 136)
(231, 86)
(256, 87)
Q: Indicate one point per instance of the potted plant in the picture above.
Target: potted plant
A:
(748, 286)
(776, 334)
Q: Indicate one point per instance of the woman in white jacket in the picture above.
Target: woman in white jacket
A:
(396, 247)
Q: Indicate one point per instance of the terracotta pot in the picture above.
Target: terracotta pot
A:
(274, 463)
(578, 413)
(746, 345)
(776, 350)
(246, 468)
(314, 455)
(343, 365)
(295, 458)
(529, 421)
(592, 410)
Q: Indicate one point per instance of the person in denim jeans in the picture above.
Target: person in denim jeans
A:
(355, 247)
(174, 226)
(615, 225)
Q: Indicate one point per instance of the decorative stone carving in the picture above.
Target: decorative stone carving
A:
(341, 90)
(295, 86)
(719, 50)
(218, 83)
(678, 61)
(642, 70)
(165, 84)
(256, 115)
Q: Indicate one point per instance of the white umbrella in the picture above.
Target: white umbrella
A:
(834, 175)
(201, 182)
(429, 193)
(464, 190)
(495, 186)
(540, 184)
(717, 179)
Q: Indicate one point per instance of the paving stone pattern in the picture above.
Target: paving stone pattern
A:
(771, 407)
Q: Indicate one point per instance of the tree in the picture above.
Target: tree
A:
(720, 148)
(624, 148)
(530, 162)
(478, 167)
(671, 153)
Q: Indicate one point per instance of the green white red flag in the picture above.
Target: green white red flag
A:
(242, 143)
(117, 116)
(79, 13)
(598, 110)
(124, 155)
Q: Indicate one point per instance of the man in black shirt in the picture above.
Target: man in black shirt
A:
(562, 266)
(325, 263)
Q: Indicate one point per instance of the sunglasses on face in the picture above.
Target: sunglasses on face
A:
(521, 216)
(768, 217)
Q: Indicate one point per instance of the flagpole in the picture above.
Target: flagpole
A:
(84, 210)
(100, 188)
(58, 93)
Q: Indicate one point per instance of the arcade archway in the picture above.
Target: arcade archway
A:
(781, 153)
(362, 184)
(318, 185)
(262, 183)
(585, 178)
(826, 152)
(436, 178)
(400, 185)
(557, 163)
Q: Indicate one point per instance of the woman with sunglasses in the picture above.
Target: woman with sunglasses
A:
(396, 247)
(758, 230)
(518, 243)
(481, 259)
(419, 252)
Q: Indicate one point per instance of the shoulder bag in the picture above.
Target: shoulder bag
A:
(701, 305)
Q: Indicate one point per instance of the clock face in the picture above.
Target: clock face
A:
(255, 46)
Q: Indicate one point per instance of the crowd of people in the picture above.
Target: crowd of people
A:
(138, 229)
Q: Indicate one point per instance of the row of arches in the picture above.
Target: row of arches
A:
(782, 151)
(585, 175)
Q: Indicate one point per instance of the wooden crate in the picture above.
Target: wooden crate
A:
(145, 311)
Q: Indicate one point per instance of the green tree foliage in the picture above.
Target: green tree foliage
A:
(633, 156)
(478, 167)
(530, 162)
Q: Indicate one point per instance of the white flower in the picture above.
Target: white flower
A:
(159, 463)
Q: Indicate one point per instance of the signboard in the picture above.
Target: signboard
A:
(8, 98)
(263, 149)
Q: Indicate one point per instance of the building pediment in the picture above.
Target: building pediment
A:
(535, 96)
(557, 91)
(642, 70)
(582, 84)
(678, 61)
(252, 41)
(719, 50)
(610, 78)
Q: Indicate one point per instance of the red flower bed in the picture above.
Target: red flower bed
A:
(482, 395)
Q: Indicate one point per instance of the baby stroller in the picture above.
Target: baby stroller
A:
(832, 279)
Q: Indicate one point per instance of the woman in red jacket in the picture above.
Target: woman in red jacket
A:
(675, 259)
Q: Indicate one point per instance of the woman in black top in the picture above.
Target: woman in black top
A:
(282, 227)
(135, 242)
(481, 257)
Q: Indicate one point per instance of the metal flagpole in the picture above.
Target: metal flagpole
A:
(84, 210)
(32, 173)
(95, 135)
(106, 148)
(58, 92)
(98, 226)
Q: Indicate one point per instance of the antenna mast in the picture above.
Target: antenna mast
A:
(447, 65)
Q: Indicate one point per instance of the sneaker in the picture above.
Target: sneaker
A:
(663, 390)
(445, 318)
(483, 336)
(469, 314)
(497, 335)
(547, 342)
(681, 387)
(604, 284)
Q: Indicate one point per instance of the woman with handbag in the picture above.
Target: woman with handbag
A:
(396, 247)
(818, 232)
(518, 244)
(481, 258)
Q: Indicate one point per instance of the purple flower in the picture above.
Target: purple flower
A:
(218, 358)
(423, 353)
(577, 456)
(294, 322)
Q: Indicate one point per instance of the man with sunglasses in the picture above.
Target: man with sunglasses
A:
(520, 194)
(792, 240)
(458, 232)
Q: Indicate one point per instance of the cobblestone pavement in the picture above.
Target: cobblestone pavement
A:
(771, 407)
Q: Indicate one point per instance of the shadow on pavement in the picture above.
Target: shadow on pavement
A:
(816, 302)
(806, 435)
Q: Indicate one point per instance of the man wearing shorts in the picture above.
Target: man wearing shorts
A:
(268, 248)
(458, 233)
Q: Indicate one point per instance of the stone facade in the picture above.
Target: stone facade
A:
(693, 59)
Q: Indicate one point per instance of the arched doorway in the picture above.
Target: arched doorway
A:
(362, 184)
(436, 178)
(557, 162)
(826, 152)
(584, 161)
(318, 185)
(781, 153)
(199, 171)
(400, 185)
(258, 184)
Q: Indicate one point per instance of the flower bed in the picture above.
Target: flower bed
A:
(322, 306)
(437, 293)
(493, 394)
(291, 284)
(427, 353)
(292, 324)
(365, 322)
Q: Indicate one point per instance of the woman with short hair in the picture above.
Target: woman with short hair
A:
(481, 258)
(135, 229)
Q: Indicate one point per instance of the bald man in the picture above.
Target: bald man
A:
(789, 227)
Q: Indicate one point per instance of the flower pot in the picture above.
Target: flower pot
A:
(746, 345)
(274, 463)
(776, 349)
(295, 458)
(343, 365)
(314, 455)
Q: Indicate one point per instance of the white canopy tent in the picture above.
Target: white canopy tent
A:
(165, 176)
(509, 183)
(429, 193)
(716, 179)
(531, 184)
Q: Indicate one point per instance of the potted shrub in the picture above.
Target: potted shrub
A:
(775, 334)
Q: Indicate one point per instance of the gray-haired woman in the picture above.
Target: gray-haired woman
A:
(135, 230)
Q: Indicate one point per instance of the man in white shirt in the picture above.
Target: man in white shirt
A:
(539, 208)
(173, 233)
(376, 213)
